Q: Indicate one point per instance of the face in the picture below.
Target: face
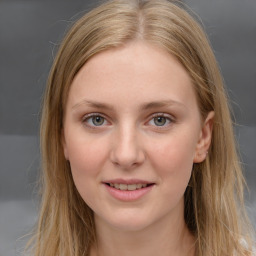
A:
(132, 131)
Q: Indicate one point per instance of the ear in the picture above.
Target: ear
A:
(204, 140)
(64, 145)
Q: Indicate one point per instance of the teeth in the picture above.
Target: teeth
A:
(129, 187)
(139, 185)
(123, 187)
(132, 186)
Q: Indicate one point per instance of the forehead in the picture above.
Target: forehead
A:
(138, 71)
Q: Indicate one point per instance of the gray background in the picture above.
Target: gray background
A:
(30, 31)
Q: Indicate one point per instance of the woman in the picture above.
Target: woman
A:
(137, 145)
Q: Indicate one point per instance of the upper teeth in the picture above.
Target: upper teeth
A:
(127, 186)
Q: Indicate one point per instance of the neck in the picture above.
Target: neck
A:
(168, 237)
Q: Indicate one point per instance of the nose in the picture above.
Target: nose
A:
(127, 151)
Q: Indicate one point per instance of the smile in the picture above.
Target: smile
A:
(130, 190)
(129, 187)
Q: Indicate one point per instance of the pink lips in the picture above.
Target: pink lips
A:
(128, 195)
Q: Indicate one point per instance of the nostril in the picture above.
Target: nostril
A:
(127, 154)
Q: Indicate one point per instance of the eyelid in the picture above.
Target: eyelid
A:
(158, 114)
(161, 114)
(89, 115)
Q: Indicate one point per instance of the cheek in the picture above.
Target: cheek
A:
(85, 156)
(86, 160)
(173, 160)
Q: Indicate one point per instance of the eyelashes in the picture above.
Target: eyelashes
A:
(95, 120)
(161, 120)
(98, 120)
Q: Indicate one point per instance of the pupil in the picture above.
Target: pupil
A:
(98, 120)
(160, 121)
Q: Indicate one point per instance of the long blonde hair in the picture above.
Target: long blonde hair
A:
(214, 209)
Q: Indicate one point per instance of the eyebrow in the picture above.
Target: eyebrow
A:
(161, 103)
(93, 104)
(145, 106)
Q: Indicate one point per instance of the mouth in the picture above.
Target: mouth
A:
(129, 187)
(128, 190)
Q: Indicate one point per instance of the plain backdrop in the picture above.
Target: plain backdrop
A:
(30, 32)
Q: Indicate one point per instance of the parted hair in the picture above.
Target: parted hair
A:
(214, 207)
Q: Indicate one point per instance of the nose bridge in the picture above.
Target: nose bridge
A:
(127, 150)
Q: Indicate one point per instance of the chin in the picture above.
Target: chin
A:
(130, 225)
(126, 221)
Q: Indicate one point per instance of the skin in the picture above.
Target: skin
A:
(127, 88)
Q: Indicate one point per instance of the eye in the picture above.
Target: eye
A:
(94, 120)
(161, 120)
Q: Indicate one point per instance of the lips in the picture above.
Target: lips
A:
(129, 187)
(128, 190)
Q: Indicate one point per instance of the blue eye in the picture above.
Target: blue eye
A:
(95, 120)
(160, 120)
